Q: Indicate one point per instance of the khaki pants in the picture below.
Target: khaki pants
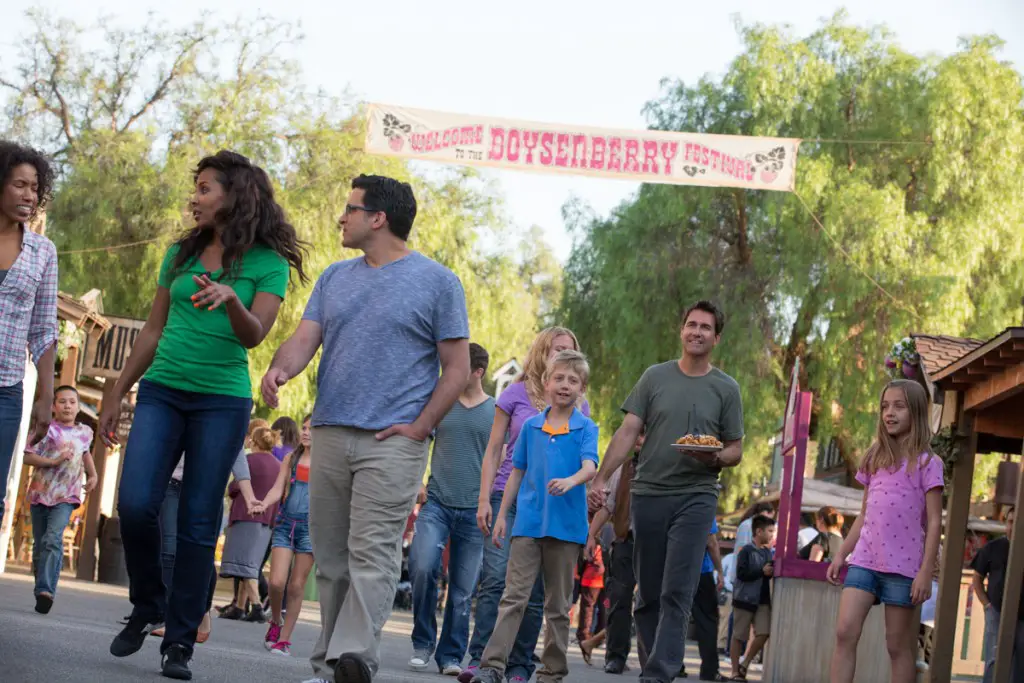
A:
(361, 492)
(527, 556)
(723, 623)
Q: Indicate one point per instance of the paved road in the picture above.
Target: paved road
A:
(71, 644)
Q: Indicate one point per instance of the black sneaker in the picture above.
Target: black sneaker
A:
(130, 639)
(614, 666)
(175, 663)
(256, 615)
(44, 603)
(233, 613)
(351, 668)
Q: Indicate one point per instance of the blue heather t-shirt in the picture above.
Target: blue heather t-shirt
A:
(380, 330)
(544, 457)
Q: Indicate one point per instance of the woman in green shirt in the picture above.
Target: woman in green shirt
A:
(218, 294)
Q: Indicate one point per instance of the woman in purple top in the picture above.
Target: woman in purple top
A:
(523, 399)
(248, 535)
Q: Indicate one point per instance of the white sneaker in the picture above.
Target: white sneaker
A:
(420, 661)
(317, 680)
(451, 669)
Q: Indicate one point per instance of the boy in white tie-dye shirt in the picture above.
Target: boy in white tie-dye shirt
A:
(60, 460)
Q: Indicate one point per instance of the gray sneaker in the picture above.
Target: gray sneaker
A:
(420, 660)
(486, 675)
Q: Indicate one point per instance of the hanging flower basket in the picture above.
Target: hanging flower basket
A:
(903, 361)
(68, 335)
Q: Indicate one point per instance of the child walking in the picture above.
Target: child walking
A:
(752, 595)
(60, 460)
(556, 452)
(894, 542)
(290, 542)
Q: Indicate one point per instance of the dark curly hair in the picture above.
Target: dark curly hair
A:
(13, 155)
(250, 215)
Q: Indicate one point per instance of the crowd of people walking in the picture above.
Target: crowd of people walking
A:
(519, 499)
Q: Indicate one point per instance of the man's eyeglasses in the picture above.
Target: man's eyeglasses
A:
(352, 208)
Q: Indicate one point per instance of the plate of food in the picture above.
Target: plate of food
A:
(700, 443)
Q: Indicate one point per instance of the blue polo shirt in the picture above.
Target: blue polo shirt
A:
(708, 566)
(544, 457)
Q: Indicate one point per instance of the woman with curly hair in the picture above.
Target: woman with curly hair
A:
(219, 290)
(28, 297)
(523, 399)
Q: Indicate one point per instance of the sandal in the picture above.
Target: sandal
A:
(742, 675)
(586, 653)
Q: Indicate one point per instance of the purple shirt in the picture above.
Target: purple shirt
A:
(515, 402)
(892, 536)
(280, 452)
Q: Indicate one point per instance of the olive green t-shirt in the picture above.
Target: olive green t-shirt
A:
(671, 404)
(198, 351)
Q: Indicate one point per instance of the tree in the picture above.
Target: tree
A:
(127, 123)
(921, 234)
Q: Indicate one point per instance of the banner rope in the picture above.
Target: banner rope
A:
(112, 247)
(866, 142)
(846, 254)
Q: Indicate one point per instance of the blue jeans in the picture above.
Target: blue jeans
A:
(989, 645)
(209, 429)
(48, 525)
(10, 425)
(891, 589)
(435, 524)
(169, 541)
(492, 584)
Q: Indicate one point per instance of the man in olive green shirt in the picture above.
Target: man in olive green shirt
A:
(674, 494)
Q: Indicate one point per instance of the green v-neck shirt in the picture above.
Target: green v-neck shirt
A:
(198, 350)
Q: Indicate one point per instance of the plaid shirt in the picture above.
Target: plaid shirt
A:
(28, 307)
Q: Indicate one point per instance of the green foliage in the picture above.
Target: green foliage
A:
(128, 122)
(935, 222)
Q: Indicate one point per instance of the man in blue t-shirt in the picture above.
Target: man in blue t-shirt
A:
(390, 323)
(705, 609)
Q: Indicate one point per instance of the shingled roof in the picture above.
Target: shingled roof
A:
(940, 351)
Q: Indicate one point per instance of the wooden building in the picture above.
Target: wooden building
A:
(979, 391)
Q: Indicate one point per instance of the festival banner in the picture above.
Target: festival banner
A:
(649, 156)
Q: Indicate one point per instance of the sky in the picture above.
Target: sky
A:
(592, 63)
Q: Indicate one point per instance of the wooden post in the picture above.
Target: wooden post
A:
(1011, 597)
(87, 559)
(940, 669)
(785, 500)
(69, 370)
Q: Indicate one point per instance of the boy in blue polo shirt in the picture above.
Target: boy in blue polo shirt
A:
(556, 452)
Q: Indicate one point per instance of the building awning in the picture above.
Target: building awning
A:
(84, 316)
(847, 500)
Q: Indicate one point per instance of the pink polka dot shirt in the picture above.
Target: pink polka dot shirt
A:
(892, 536)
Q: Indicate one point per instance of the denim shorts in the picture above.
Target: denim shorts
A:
(890, 589)
(293, 534)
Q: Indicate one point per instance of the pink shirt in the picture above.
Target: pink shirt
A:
(63, 483)
(892, 536)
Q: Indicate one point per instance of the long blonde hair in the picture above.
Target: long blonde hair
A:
(537, 362)
(887, 452)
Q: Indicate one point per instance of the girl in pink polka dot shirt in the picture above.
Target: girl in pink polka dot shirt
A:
(892, 546)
